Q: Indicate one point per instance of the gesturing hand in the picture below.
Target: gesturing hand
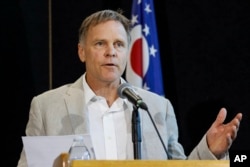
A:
(221, 136)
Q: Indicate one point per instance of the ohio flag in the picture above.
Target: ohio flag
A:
(144, 64)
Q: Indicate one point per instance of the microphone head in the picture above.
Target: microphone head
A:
(121, 89)
(125, 90)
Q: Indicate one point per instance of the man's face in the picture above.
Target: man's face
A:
(105, 51)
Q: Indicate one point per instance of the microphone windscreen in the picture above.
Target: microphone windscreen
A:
(121, 89)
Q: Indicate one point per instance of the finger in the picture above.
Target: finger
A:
(220, 117)
(236, 120)
(229, 140)
(239, 116)
(232, 132)
(235, 131)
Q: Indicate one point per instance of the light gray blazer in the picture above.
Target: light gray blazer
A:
(61, 111)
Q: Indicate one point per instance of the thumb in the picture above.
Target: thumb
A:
(220, 117)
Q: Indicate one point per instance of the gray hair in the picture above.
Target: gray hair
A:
(103, 16)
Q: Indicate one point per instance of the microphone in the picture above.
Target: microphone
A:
(125, 90)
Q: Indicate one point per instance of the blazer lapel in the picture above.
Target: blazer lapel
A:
(75, 102)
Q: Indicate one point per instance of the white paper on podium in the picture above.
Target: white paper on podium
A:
(41, 151)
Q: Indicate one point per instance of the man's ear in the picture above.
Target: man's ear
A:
(81, 52)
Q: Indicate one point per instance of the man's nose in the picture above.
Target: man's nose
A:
(111, 51)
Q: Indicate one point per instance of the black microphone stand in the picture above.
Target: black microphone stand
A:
(136, 133)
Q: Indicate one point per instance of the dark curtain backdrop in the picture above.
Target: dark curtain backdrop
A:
(204, 46)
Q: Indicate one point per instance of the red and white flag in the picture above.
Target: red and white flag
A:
(144, 64)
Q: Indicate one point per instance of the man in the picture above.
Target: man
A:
(91, 104)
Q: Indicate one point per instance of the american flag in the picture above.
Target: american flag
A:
(144, 63)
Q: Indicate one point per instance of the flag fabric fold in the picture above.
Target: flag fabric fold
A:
(144, 63)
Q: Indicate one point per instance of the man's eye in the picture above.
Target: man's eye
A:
(119, 44)
(99, 43)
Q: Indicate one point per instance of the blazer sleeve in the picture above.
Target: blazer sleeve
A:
(202, 152)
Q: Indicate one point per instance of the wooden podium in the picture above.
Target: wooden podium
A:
(144, 163)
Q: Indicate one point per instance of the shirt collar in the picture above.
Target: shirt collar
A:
(88, 92)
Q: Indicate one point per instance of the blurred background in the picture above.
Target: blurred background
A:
(205, 56)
